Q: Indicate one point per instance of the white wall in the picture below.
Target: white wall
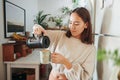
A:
(53, 6)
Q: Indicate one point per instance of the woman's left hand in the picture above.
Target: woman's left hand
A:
(57, 58)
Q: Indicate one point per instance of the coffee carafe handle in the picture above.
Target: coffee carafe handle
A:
(42, 34)
(33, 35)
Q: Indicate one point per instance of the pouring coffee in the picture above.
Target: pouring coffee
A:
(41, 42)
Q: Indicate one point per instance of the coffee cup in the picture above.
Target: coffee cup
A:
(45, 56)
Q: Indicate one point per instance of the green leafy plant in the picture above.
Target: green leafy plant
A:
(65, 10)
(58, 20)
(105, 55)
(116, 57)
(39, 19)
(101, 54)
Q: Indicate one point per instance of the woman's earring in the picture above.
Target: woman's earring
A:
(85, 27)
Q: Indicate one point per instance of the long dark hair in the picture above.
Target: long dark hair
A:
(86, 35)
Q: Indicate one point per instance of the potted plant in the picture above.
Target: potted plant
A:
(58, 20)
(102, 54)
(115, 56)
(39, 19)
(65, 11)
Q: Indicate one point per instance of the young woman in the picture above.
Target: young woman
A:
(73, 53)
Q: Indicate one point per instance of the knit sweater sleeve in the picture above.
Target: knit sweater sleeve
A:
(54, 36)
(82, 71)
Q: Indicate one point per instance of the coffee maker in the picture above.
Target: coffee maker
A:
(40, 41)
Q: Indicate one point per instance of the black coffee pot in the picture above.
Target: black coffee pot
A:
(40, 41)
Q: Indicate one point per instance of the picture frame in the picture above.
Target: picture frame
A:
(14, 19)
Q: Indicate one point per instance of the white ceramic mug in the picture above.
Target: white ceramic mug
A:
(45, 56)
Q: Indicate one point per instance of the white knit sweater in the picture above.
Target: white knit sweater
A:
(82, 56)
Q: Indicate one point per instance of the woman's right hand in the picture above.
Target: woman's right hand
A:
(37, 29)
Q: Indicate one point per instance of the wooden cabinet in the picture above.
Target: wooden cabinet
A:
(12, 51)
(8, 52)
